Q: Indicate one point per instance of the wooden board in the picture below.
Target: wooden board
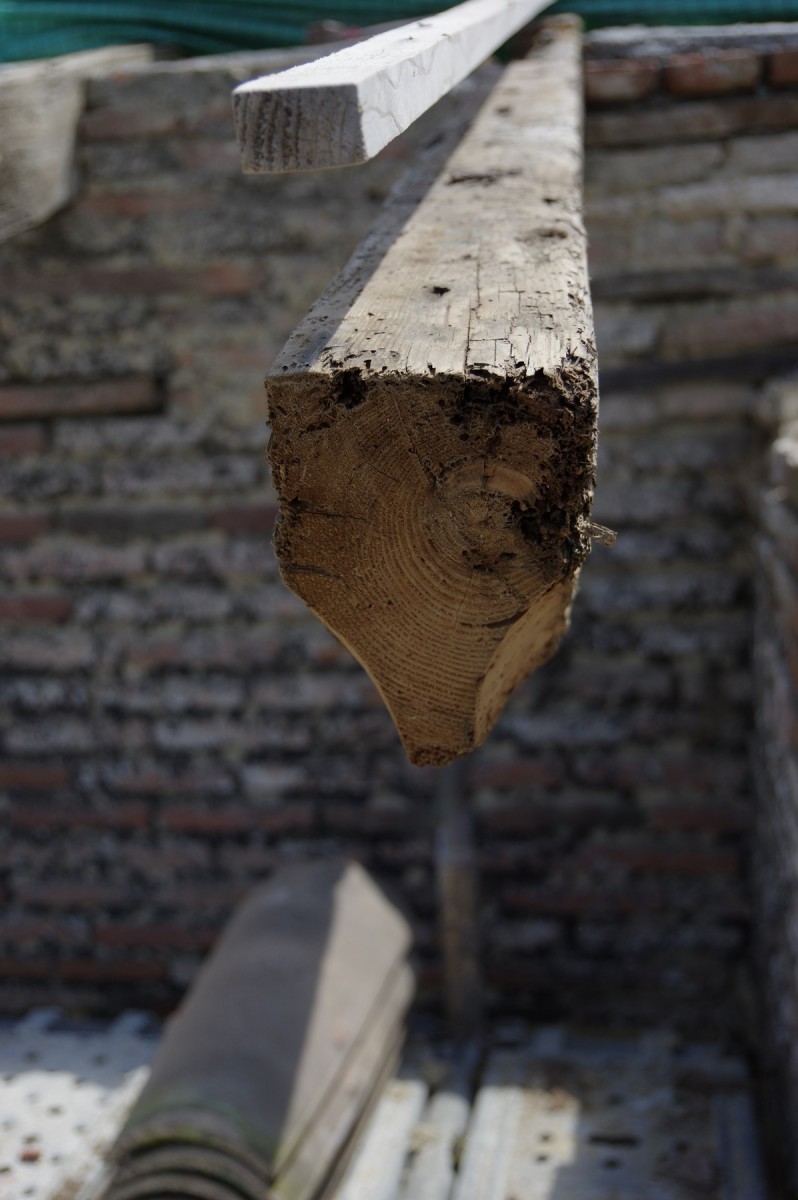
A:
(345, 108)
(40, 105)
(433, 421)
(311, 962)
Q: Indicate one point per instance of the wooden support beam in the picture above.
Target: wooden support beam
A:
(343, 109)
(434, 420)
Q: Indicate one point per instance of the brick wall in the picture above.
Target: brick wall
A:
(174, 724)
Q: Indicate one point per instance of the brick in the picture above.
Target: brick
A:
(32, 777)
(213, 557)
(677, 816)
(770, 240)
(139, 521)
(715, 73)
(544, 772)
(124, 435)
(56, 651)
(142, 204)
(757, 194)
(129, 815)
(156, 937)
(104, 124)
(731, 330)
(51, 735)
(175, 694)
(152, 779)
(692, 121)
(211, 279)
(225, 819)
(31, 480)
(89, 399)
(71, 894)
(70, 560)
(99, 971)
(212, 473)
(782, 68)
(247, 519)
(16, 440)
(620, 80)
(23, 527)
(667, 860)
(35, 607)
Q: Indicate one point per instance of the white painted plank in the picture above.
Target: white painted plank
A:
(344, 108)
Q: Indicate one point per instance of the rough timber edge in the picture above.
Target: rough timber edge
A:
(343, 109)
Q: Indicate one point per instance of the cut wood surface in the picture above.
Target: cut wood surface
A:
(433, 420)
(40, 105)
(343, 109)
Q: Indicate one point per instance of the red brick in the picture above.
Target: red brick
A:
(226, 819)
(22, 439)
(23, 527)
(535, 772)
(142, 204)
(69, 399)
(209, 155)
(354, 818)
(214, 279)
(122, 816)
(666, 860)
(620, 80)
(715, 73)
(72, 895)
(700, 818)
(113, 124)
(171, 937)
(91, 971)
(35, 608)
(233, 819)
(782, 68)
(697, 121)
(255, 518)
(730, 333)
(32, 777)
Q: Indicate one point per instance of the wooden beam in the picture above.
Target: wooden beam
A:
(40, 105)
(343, 109)
(433, 421)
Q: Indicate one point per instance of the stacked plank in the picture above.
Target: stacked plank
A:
(281, 1049)
(434, 419)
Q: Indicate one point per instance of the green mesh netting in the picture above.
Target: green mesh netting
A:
(41, 28)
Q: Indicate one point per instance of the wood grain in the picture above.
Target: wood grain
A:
(344, 108)
(433, 421)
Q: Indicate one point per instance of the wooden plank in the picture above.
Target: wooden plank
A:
(437, 1138)
(310, 962)
(433, 421)
(40, 104)
(345, 108)
(377, 1167)
(306, 1169)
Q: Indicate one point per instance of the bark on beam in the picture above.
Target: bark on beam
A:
(434, 421)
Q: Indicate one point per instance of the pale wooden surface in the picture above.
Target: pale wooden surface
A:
(434, 420)
(343, 109)
(40, 104)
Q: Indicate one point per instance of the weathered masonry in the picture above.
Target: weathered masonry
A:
(168, 703)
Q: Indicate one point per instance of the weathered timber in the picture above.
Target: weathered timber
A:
(40, 105)
(343, 109)
(281, 1045)
(433, 421)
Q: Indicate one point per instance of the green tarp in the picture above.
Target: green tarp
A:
(41, 28)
